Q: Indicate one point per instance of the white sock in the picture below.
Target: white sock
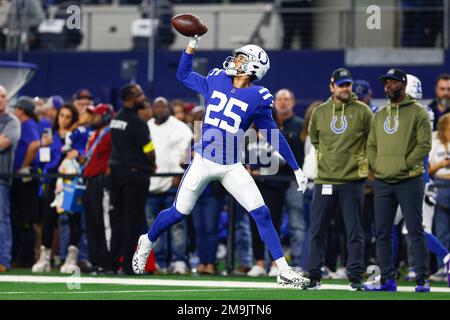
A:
(282, 264)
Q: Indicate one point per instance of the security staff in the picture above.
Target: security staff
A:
(132, 161)
(399, 140)
(339, 130)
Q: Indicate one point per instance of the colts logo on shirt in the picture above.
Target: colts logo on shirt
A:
(343, 127)
(387, 124)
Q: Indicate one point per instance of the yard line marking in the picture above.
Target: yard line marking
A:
(182, 283)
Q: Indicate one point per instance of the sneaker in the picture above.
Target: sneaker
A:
(356, 286)
(299, 270)
(257, 271)
(314, 285)
(43, 264)
(140, 257)
(179, 267)
(423, 286)
(447, 266)
(340, 274)
(161, 270)
(440, 275)
(70, 265)
(273, 272)
(289, 277)
(411, 275)
(389, 285)
(326, 272)
(240, 271)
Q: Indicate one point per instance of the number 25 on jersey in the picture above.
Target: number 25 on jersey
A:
(224, 108)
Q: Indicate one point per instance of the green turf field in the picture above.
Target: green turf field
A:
(190, 288)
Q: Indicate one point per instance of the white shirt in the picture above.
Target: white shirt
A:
(437, 154)
(171, 140)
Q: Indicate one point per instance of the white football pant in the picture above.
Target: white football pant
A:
(234, 177)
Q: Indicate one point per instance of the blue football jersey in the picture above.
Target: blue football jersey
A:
(229, 112)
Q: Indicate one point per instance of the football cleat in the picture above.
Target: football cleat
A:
(289, 277)
(140, 257)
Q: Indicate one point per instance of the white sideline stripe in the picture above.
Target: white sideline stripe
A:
(181, 283)
(122, 291)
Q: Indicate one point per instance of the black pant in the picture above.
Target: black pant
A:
(129, 191)
(274, 199)
(409, 194)
(24, 213)
(94, 209)
(349, 198)
(50, 219)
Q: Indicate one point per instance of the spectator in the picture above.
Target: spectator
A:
(242, 241)
(364, 93)
(206, 217)
(396, 153)
(24, 191)
(291, 126)
(178, 110)
(67, 116)
(441, 104)
(82, 99)
(132, 161)
(9, 138)
(146, 113)
(96, 197)
(439, 161)
(297, 20)
(171, 138)
(342, 169)
(51, 107)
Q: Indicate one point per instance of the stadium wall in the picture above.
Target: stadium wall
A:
(306, 72)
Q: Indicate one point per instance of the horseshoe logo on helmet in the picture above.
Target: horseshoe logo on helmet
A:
(260, 59)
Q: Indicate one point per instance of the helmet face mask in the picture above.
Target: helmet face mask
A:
(256, 65)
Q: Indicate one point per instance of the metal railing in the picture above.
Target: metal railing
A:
(109, 27)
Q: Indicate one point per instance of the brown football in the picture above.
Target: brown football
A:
(189, 25)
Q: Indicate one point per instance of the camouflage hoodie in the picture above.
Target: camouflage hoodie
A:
(400, 138)
(339, 133)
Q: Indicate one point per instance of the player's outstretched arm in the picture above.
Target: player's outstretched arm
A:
(185, 74)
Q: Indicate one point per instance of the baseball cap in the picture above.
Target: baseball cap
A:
(340, 76)
(82, 94)
(101, 108)
(395, 74)
(361, 88)
(25, 103)
(55, 102)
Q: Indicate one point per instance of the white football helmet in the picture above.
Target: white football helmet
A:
(414, 86)
(256, 66)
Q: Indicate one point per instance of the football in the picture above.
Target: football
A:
(189, 25)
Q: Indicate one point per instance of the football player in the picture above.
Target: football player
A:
(233, 103)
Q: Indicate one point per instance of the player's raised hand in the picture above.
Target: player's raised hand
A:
(302, 180)
(193, 42)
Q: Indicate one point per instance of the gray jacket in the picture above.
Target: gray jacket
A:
(9, 126)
